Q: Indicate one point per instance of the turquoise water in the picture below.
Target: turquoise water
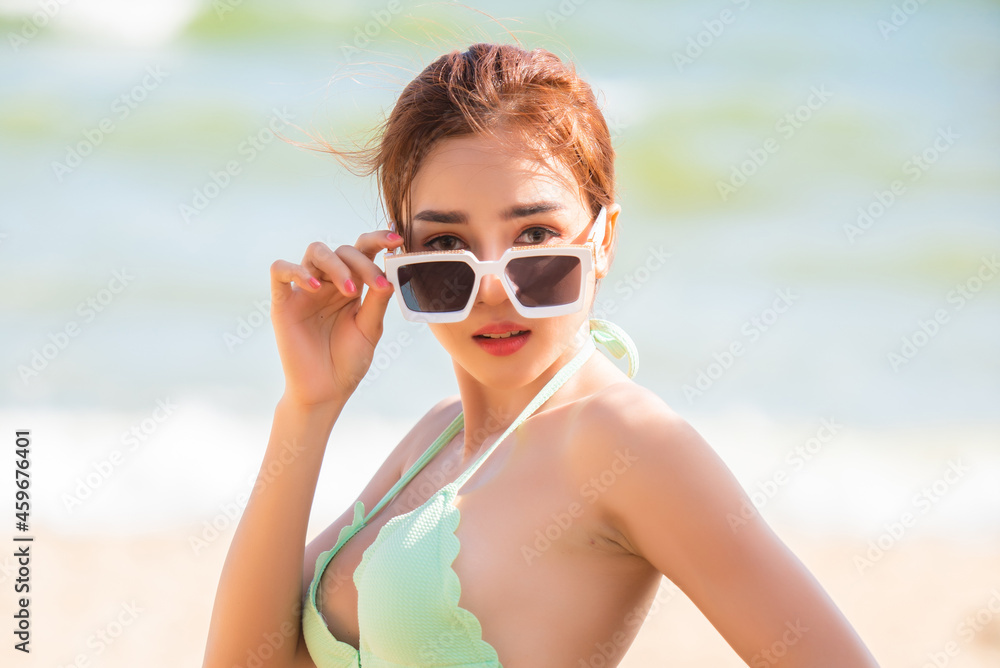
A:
(804, 113)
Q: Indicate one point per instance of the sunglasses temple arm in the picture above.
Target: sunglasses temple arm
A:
(600, 225)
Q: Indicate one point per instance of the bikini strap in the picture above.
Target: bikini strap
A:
(608, 334)
(617, 341)
(445, 437)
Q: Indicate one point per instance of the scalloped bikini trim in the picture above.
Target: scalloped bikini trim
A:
(612, 337)
(329, 643)
(452, 516)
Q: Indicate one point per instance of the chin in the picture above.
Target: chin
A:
(546, 343)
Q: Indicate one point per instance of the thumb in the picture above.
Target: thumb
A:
(371, 313)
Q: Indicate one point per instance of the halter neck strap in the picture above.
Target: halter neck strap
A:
(608, 334)
(618, 343)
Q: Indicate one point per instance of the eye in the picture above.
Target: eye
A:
(447, 241)
(443, 242)
(533, 233)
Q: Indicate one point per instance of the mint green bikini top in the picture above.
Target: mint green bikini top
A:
(408, 592)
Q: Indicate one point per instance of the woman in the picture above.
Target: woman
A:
(524, 521)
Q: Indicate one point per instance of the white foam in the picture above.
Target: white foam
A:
(197, 463)
(201, 460)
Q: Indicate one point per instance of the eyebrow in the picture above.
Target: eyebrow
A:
(462, 218)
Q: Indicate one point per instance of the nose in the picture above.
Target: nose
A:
(491, 291)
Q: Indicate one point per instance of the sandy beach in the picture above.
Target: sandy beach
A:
(120, 602)
(927, 594)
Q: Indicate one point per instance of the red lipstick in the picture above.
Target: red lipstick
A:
(515, 335)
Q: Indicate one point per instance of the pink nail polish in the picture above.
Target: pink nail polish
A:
(349, 285)
(392, 236)
(313, 282)
(381, 282)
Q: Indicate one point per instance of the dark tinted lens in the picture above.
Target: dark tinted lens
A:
(545, 280)
(436, 287)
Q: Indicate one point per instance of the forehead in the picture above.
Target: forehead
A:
(474, 173)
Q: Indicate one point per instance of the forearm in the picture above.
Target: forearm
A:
(261, 582)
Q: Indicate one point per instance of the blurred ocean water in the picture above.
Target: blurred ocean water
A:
(822, 179)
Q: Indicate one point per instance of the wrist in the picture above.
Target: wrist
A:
(329, 409)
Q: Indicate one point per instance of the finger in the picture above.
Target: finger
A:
(328, 266)
(283, 274)
(363, 268)
(372, 243)
(349, 266)
(371, 313)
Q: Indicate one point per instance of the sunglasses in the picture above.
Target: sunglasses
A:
(540, 281)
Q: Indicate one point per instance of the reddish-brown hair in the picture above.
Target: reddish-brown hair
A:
(502, 91)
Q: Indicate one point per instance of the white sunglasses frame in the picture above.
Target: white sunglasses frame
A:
(586, 252)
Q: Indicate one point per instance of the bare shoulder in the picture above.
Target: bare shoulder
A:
(426, 429)
(670, 499)
(629, 401)
(444, 410)
(449, 405)
(654, 472)
(629, 415)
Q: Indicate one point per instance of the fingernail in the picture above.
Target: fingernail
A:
(392, 236)
(381, 282)
(349, 285)
(313, 282)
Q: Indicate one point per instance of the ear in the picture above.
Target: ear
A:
(608, 243)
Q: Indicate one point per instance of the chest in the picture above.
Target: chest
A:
(519, 504)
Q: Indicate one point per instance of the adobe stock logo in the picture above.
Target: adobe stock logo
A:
(786, 126)
(58, 341)
(47, 10)
(928, 329)
(899, 17)
(370, 30)
(914, 167)
(121, 108)
(712, 30)
(752, 328)
(249, 149)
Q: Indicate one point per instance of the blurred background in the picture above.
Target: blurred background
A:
(808, 265)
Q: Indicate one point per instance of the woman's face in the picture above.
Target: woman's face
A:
(471, 194)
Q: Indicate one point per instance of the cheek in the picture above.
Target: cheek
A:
(454, 338)
(444, 335)
(555, 332)
(572, 329)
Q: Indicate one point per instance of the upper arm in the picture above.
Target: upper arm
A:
(302, 658)
(388, 473)
(682, 509)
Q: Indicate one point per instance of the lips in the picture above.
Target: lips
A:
(506, 343)
(502, 336)
(500, 330)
